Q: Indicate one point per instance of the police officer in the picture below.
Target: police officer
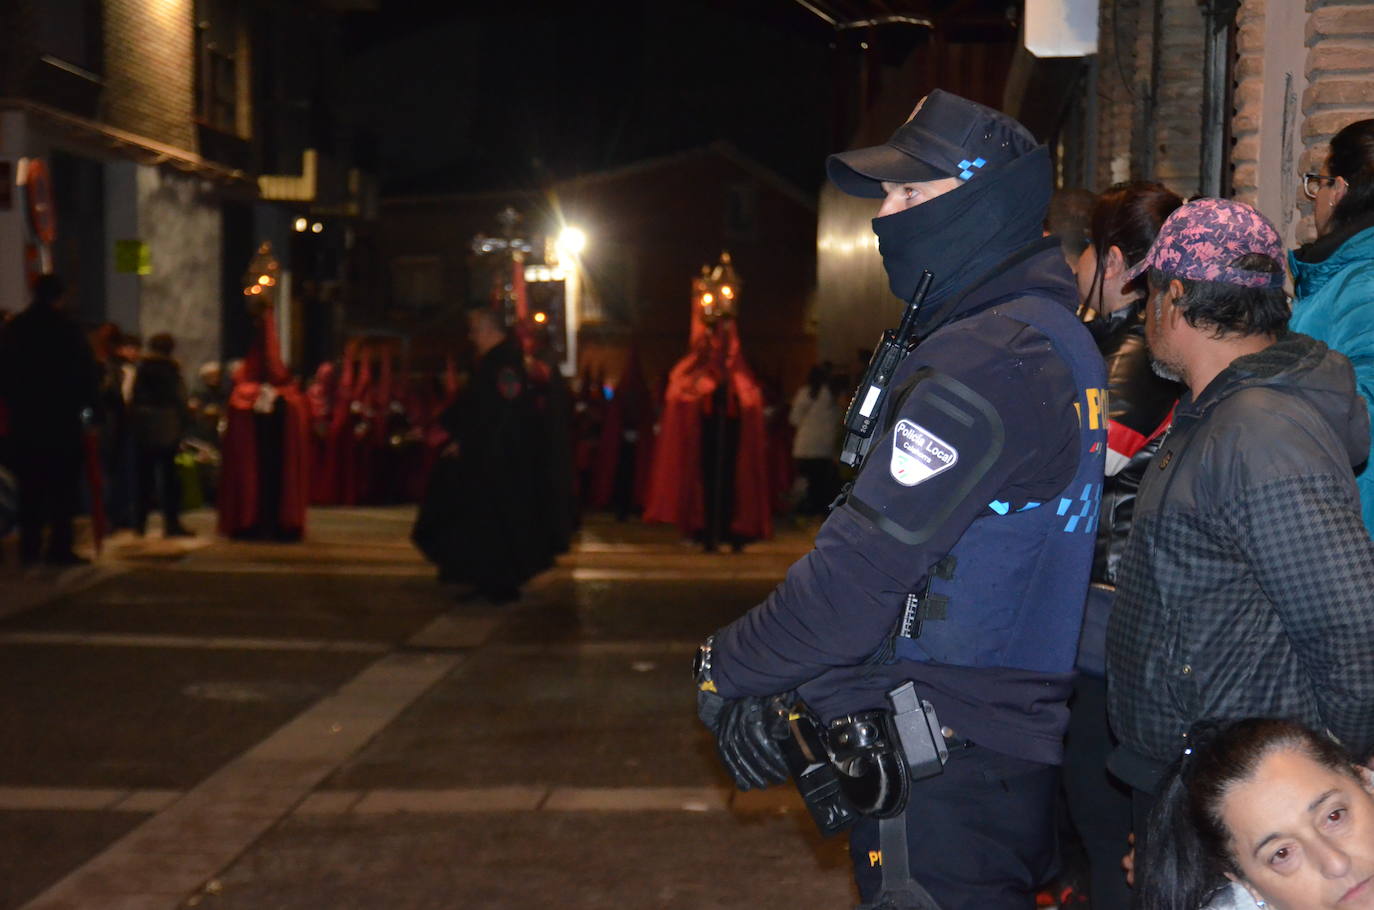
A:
(960, 558)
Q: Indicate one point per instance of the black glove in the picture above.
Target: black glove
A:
(747, 732)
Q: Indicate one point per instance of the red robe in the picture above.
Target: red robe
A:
(352, 430)
(630, 409)
(238, 490)
(320, 396)
(676, 487)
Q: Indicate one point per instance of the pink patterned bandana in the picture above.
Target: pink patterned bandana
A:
(1202, 238)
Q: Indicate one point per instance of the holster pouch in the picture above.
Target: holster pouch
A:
(814, 776)
(863, 764)
(918, 729)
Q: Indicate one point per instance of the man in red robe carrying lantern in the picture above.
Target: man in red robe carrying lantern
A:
(264, 483)
(710, 475)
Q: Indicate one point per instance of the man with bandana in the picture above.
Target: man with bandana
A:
(959, 558)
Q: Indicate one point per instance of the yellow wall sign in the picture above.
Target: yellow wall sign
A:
(132, 257)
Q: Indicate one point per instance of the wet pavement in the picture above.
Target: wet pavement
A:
(252, 725)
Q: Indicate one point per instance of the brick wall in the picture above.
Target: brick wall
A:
(1118, 85)
(1137, 140)
(1340, 82)
(1248, 115)
(1178, 98)
(149, 69)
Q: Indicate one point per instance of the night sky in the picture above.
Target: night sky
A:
(511, 94)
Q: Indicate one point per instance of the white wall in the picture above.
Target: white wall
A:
(179, 218)
(122, 290)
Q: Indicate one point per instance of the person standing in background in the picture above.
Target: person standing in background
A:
(1333, 276)
(1123, 224)
(815, 416)
(48, 378)
(159, 415)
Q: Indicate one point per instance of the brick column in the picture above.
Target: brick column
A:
(1245, 125)
(1270, 81)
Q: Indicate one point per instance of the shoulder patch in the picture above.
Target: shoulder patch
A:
(918, 454)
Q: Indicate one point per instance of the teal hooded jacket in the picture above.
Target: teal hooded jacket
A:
(1334, 281)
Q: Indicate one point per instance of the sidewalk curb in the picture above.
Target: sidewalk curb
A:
(24, 593)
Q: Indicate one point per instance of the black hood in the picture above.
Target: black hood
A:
(966, 236)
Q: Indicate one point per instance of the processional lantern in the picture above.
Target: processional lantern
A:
(261, 280)
(716, 291)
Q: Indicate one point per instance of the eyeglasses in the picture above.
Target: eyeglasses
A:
(1311, 183)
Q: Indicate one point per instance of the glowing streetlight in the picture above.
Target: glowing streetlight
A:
(316, 228)
(300, 225)
(572, 241)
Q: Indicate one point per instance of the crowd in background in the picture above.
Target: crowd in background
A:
(104, 424)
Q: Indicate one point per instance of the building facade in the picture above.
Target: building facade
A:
(157, 121)
(650, 227)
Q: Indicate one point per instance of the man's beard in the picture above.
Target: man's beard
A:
(1169, 371)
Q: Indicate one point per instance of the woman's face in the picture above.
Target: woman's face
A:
(1329, 192)
(1302, 834)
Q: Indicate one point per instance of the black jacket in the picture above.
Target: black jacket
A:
(1245, 588)
(157, 411)
(48, 375)
(1139, 404)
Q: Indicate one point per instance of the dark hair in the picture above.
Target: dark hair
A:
(1068, 218)
(1128, 216)
(1187, 847)
(816, 377)
(47, 290)
(1352, 159)
(1231, 309)
(162, 343)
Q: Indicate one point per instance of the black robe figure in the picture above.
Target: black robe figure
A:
(480, 521)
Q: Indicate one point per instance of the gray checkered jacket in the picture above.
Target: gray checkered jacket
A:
(1247, 586)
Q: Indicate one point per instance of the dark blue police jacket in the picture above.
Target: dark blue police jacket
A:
(981, 499)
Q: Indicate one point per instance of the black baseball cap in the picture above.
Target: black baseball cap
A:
(945, 136)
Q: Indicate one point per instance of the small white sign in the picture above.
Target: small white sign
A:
(918, 455)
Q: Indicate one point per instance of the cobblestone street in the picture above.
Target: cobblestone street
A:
(322, 725)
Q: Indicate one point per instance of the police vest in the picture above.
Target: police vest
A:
(1011, 591)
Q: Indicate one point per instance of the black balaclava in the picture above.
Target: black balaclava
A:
(961, 235)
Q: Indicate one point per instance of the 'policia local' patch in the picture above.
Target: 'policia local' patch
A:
(919, 455)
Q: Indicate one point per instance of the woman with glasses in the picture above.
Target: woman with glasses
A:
(1333, 276)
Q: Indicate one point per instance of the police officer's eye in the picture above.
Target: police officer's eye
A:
(1335, 815)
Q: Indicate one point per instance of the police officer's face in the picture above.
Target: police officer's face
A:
(902, 196)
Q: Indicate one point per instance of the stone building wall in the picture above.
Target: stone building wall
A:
(179, 219)
(150, 69)
(1340, 82)
(1119, 84)
(1267, 120)
(1177, 118)
(1148, 121)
